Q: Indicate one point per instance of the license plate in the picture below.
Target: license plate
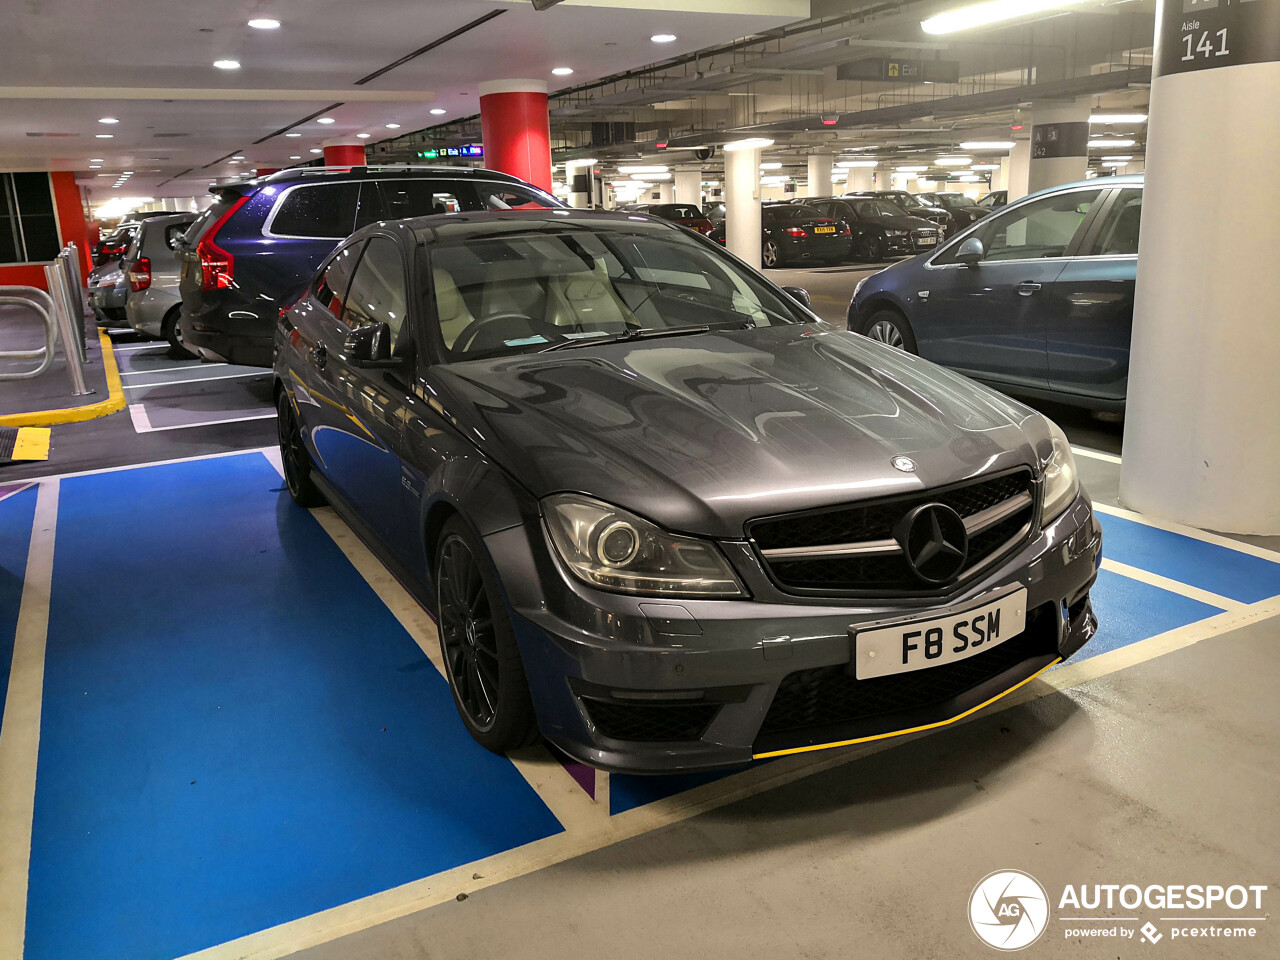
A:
(824, 229)
(919, 644)
(927, 241)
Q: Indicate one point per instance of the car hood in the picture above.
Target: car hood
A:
(702, 433)
(906, 223)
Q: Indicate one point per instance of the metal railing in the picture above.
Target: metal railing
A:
(62, 312)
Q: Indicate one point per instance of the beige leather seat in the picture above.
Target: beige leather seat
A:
(454, 315)
(587, 299)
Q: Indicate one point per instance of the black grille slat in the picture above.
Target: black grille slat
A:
(876, 520)
(650, 722)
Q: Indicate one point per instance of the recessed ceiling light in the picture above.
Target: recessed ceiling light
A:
(663, 37)
(238, 156)
(96, 160)
(293, 134)
(108, 120)
(562, 71)
(296, 156)
(1118, 118)
(437, 111)
(325, 120)
(364, 136)
(103, 136)
(264, 23)
(233, 161)
(316, 150)
(227, 64)
(393, 126)
(95, 166)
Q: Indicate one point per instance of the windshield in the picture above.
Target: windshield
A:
(531, 288)
(906, 200)
(879, 208)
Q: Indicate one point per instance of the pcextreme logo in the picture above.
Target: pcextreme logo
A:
(1008, 910)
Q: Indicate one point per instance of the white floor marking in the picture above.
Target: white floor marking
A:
(134, 347)
(1095, 454)
(1194, 533)
(1173, 586)
(20, 733)
(146, 426)
(179, 366)
(138, 416)
(287, 938)
(170, 383)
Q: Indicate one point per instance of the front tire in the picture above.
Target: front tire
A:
(875, 250)
(890, 328)
(170, 331)
(294, 456)
(478, 644)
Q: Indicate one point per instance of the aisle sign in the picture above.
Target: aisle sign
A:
(1204, 34)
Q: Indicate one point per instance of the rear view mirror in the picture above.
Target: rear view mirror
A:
(801, 294)
(971, 252)
(369, 345)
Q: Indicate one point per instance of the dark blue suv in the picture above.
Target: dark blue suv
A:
(256, 248)
(1035, 299)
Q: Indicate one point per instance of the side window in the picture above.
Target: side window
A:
(510, 196)
(1042, 228)
(420, 198)
(173, 233)
(331, 287)
(319, 210)
(1119, 233)
(377, 292)
(370, 208)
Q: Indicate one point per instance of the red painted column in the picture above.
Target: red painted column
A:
(264, 171)
(338, 154)
(516, 131)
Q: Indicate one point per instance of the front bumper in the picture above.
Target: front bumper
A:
(654, 686)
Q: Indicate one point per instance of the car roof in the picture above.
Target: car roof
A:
(480, 222)
(294, 175)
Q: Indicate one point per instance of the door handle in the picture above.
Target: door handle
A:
(319, 356)
(1027, 288)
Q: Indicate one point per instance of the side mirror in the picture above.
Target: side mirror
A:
(369, 345)
(971, 252)
(801, 294)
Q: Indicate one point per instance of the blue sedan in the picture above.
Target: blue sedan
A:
(1035, 299)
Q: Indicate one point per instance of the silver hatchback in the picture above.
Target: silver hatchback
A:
(152, 268)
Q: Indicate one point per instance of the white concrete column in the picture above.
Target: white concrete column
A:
(742, 203)
(666, 192)
(1000, 178)
(861, 178)
(688, 184)
(1202, 429)
(820, 174)
(1019, 170)
(1069, 121)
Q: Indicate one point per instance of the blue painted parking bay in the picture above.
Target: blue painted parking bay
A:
(237, 733)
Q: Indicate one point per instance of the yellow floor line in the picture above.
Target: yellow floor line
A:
(114, 400)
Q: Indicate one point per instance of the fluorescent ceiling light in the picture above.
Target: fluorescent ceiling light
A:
(316, 150)
(591, 161)
(238, 156)
(227, 64)
(1115, 163)
(969, 178)
(911, 169)
(100, 160)
(985, 166)
(1119, 157)
(651, 176)
(987, 145)
(393, 126)
(954, 161)
(103, 136)
(663, 37)
(264, 23)
(846, 164)
(95, 166)
(771, 165)
(293, 134)
(437, 111)
(1103, 144)
(108, 120)
(992, 11)
(1118, 118)
(363, 136)
(562, 71)
(325, 120)
(631, 168)
(296, 156)
(750, 143)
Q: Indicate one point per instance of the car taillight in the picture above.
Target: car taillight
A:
(795, 232)
(217, 266)
(140, 275)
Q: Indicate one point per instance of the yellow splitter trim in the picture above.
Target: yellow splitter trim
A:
(114, 400)
(900, 733)
(32, 444)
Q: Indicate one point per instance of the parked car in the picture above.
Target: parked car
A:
(685, 214)
(914, 207)
(108, 290)
(152, 268)
(661, 511)
(794, 233)
(880, 229)
(714, 211)
(1035, 299)
(994, 199)
(112, 247)
(263, 239)
(961, 208)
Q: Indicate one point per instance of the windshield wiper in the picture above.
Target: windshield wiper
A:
(632, 333)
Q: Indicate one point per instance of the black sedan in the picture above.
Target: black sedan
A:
(913, 206)
(880, 228)
(793, 233)
(964, 210)
(662, 513)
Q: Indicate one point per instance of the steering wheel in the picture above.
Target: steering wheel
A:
(472, 331)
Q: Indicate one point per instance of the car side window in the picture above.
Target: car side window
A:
(377, 293)
(1041, 228)
(331, 287)
(173, 233)
(421, 198)
(325, 211)
(1118, 235)
(509, 196)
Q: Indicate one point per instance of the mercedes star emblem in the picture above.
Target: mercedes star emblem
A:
(934, 542)
(905, 464)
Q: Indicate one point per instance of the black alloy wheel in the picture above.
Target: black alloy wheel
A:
(875, 249)
(478, 644)
(294, 456)
(890, 327)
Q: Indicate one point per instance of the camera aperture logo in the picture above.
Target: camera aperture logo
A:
(1008, 910)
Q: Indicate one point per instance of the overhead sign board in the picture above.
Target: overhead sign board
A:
(469, 152)
(1050, 140)
(897, 70)
(1205, 34)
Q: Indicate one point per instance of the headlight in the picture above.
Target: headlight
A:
(1061, 482)
(898, 233)
(616, 550)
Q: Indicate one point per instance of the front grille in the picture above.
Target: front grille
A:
(650, 721)
(886, 573)
(832, 695)
(924, 233)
